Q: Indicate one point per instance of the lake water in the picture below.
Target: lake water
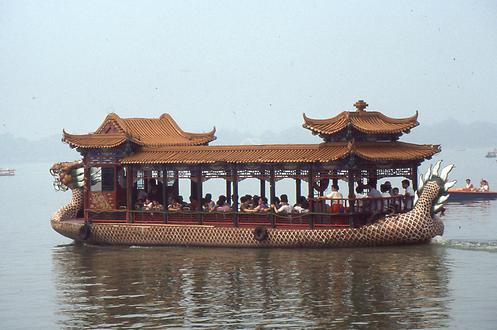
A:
(48, 282)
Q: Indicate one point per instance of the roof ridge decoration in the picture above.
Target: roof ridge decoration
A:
(369, 122)
(115, 130)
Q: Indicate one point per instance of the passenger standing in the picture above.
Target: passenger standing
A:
(375, 196)
(408, 194)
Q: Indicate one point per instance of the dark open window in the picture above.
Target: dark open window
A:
(107, 178)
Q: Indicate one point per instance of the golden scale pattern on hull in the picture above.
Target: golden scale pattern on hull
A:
(417, 226)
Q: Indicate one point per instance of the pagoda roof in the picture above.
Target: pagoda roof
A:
(114, 131)
(369, 122)
(283, 153)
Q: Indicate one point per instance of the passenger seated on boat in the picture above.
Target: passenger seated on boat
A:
(156, 206)
(277, 202)
(193, 205)
(263, 205)
(359, 195)
(147, 205)
(388, 186)
(222, 205)
(177, 204)
(284, 208)
(209, 204)
(385, 194)
(302, 205)
(395, 201)
(249, 201)
(142, 194)
(139, 204)
(245, 204)
(254, 202)
(484, 186)
(469, 186)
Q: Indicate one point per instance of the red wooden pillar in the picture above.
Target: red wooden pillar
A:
(165, 193)
(298, 186)
(310, 183)
(415, 177)
(129, 193)
(234, 207)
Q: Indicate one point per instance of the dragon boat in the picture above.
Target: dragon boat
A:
(126, 158)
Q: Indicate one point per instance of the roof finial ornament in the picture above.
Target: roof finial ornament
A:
(360, 105)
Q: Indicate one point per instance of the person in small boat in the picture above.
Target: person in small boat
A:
(284, 208)
(469, 186)
(222, 204)
(484, 186)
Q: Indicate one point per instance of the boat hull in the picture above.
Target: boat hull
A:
(211, 236)
(461, 196)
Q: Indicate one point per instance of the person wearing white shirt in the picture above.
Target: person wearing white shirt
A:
(336, 198)
(408, 194)
(284, 208)
(376, 195)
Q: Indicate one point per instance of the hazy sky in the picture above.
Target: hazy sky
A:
(256, 65)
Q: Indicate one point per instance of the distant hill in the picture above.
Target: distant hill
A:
(19, 150)
(449, 133)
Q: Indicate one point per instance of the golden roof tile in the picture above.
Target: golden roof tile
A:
(275, 153)
(160, 131)
(370, 122)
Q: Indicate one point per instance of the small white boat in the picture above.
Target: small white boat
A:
(7, 172)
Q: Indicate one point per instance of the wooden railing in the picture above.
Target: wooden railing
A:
(341, 213)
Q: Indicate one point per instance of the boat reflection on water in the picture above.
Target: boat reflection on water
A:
(186, 287)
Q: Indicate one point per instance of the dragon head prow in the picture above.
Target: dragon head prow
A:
(439, 177)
